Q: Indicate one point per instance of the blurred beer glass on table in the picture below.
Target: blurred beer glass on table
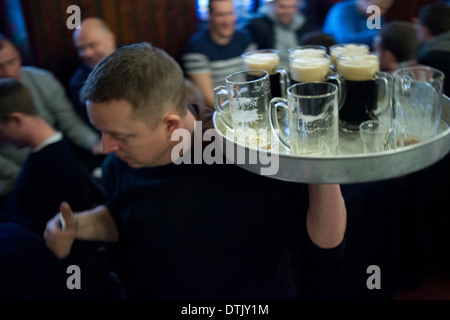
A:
(349, 48)
(417, 103)
(247, 94)
(309, 68)
(269, 60)
(306, 50)
(313, 119)
(368, 92)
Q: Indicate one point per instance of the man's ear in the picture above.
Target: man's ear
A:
(389, 60)
(172, 122)
(16, 118)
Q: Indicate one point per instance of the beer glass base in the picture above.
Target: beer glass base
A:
(346, 127)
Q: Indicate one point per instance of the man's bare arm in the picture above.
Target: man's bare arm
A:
(327, 216)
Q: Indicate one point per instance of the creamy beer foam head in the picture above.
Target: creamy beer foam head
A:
(267, 60)
(358, 67)
(308, 50)
(338, 49)
(310, 68)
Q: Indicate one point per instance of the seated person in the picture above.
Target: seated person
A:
(93, 41)
(434, 36)
(50, 100)
(347, 20)
(396, 44)
(279, 28)
(51, 173)
(214, 53)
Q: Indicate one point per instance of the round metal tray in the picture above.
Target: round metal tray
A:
(350, 165)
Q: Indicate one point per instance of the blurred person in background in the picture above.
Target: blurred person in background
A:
(50, 100)
(281, 27)
(215, 52)
(396, 44)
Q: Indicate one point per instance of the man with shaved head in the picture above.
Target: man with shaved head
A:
(93, 41)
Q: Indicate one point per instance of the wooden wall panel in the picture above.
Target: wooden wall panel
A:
(160, 23)
(164, 23)
(145, 31)
(88, 8)
(128, 22)
(109, 13)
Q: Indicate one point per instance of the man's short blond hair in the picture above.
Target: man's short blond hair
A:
(145, 76)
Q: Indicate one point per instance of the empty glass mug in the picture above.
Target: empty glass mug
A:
(417, 103)
(247, 94)
(313, 119)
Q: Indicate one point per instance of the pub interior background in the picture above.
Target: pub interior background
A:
(405, 233)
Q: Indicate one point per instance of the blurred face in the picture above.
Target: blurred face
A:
(93, 44)
(285, 10)
(10, 133)
(10, 62)
(222, 19)
(131, 140)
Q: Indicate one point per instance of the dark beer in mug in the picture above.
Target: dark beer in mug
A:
(361, 96)
(268, 60)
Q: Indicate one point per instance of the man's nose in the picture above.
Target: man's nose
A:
(87, 52)
(109, 144)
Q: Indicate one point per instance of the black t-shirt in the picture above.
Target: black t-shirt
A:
(47, 178)
(198, 231)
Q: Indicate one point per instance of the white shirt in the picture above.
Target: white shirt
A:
(53, 139)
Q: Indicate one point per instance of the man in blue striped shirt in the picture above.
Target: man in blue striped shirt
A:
(214, 52)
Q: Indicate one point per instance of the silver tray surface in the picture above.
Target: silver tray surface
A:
(350, 165)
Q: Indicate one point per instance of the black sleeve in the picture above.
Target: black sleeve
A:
(313, 267)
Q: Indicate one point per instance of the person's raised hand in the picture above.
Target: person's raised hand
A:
(61, 231)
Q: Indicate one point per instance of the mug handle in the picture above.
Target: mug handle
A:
(285, 81)
(219, 92)
(276, 103)
(386, 80)
(337, 78)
